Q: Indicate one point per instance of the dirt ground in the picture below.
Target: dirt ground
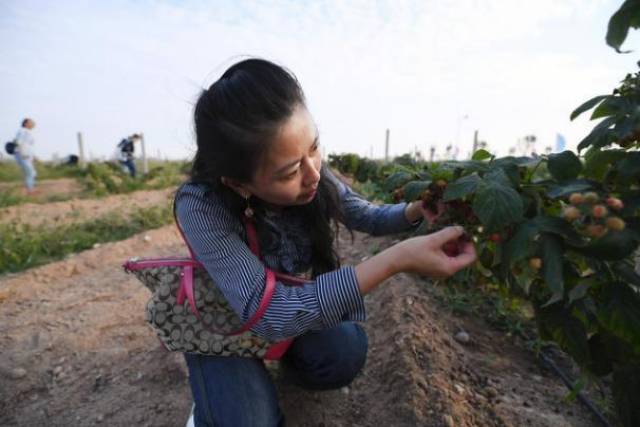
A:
(76, 210)
(76, 351)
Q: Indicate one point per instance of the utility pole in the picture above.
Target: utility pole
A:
(386, 147)
(81, 151)
(475, 142)
(145, 163)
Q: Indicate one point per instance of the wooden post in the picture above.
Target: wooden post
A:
(81, 159)
(475, 142)
(145, 163)
(386, 147)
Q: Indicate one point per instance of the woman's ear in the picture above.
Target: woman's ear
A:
(236, 186)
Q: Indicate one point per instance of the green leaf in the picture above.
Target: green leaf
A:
(425, 176)
(564, 166)
(552, 258)
(414, 189)
(587, 105)
(519, 245)
(497, 205)
(629, 167)
(626, 383)
(397, 180)
(556, 225)
(462, 187)
(633, 226)
(556, 322)
(525, 280)
(619, 23)
(610, 106)
(470, 166)
(498, 176)
(481, 155)
(598, 162)
(631, 201)
(513, 173)
(613, 246)
(626, 272)
(600, 361)
(578, 292)
(619, 312)
(599, 136)
(569, 187)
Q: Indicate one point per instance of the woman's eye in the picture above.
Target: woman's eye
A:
(291, 175)
(315, 148)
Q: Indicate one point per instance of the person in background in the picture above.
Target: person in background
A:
(126, 147)
(71, 160)
(24, 153)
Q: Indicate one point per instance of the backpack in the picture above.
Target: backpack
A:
(10, 147)
(126, 146)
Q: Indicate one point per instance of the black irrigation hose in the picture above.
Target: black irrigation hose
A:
(548, 361)
(565, 379)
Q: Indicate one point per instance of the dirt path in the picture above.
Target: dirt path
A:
(58, 213)
(76, 351)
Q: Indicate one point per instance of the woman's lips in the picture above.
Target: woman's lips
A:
(310, 195)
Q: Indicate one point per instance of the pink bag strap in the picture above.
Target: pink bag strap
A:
(186, 282)
(270, 287)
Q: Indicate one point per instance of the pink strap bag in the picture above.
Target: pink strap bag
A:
(190, 314)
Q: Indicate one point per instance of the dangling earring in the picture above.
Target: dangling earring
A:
(248, 212)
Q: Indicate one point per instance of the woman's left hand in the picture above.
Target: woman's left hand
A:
(432, 216)
(416, 211)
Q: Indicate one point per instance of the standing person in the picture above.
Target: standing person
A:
(258, 156)
(24, 153)
(126, 147)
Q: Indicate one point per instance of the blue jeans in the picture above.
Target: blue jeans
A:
(29, 172)
(238, 391)
(130, 165)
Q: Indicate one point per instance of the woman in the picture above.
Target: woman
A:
(258, 154)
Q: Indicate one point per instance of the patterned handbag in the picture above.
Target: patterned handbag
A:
(190, 314)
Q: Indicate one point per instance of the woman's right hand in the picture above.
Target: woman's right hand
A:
(426, 256)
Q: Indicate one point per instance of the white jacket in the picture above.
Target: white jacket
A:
(25, 141)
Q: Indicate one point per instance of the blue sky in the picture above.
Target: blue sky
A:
(431, 71)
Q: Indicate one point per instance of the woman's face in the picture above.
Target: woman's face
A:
(290, 171)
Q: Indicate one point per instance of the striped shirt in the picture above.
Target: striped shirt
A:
(217, 239)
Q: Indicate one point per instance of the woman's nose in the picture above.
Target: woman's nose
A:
(312, 175)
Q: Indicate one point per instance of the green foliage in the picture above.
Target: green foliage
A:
(10, 172)
(564, 166)
(496, 203)
(628, 16)
(10, 198)
(108, 178)
(558, 231)
(361, 169)
(97, 180)
(621, 118)
(23, 246)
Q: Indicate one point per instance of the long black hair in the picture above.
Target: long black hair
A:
(236, 120)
